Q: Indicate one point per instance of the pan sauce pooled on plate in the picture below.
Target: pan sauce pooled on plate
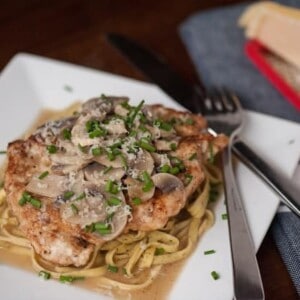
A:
(112, 167)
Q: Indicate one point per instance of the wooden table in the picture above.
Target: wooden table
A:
(74, 31)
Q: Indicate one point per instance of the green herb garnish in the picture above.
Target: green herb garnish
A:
(67, 134)
(113, 201)
(164, 169)
(111, 187)
(133, 113)
(215, 275)
(52, 149)
(69, 279)
(97, 151)
(43, 175)
(68, 195)
(107, 169)
(74, 209)
(146, 145)
(113, 269)
(193, 156)
(187, 179)
(224, 216)
(45, 275)
(173, 146)
(148, 183)
(81, 196)
(208, 252)
(136, 201)
(27, 198)
(159, 251)
(101, 228)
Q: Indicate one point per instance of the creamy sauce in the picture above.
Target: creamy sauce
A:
(160, 287)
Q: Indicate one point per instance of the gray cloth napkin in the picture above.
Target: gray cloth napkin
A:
(216, 46)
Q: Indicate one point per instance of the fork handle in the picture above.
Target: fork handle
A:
(284, 186)
(247, 280)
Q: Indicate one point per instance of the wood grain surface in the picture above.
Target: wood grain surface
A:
(74, 31)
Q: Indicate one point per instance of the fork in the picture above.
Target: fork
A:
(223, 112)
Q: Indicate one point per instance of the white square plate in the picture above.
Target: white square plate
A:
(30, 83)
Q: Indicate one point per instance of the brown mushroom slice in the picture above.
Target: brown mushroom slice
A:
(85, 211)
(80, 136)
(116, 126)
(50, 186)
(98, 106)
(154, 130)
(119, 217)
(97, 173)
(165, 145)
(172, 187)
(135, 189)
(93, 209)
(143, 162)
(118, 162)
(161, 159)
(120, 110)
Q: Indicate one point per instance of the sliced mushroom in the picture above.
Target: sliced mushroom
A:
(135, 189)
(161, 159)
(117, 162)
(120, 110)
(85, 211)
(143, 162)
(116, 126)
(69, 159)
(155, 131)
(48, 132)
(165, 145)
(50, 186)
(80, 136)
(93, 208)
(98, 173)
(174, 195)
(98, 106)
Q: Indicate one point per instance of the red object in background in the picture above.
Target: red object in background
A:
(256, 53)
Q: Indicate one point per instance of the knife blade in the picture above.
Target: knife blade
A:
(192, 97)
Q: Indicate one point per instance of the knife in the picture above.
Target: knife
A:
(191, 98)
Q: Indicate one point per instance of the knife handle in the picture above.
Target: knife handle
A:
(284, 186)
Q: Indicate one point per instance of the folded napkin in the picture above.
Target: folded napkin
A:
(216, 46)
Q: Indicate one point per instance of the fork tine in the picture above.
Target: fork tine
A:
(231, 100)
